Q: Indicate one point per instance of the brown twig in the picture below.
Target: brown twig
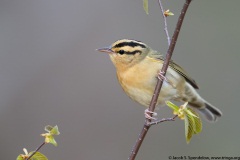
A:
(36, 150)
(162, 120)
(159, 82)
(165, 22)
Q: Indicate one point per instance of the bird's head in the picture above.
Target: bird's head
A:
(126, 53)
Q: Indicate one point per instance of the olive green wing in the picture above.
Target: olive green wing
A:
(175, 67)
(181, 71)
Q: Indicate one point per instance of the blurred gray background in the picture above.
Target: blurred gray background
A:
(51, 74)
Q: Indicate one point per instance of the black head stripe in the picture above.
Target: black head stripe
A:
(131, 44)
(134, 52)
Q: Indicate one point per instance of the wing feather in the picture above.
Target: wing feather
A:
(175, 67)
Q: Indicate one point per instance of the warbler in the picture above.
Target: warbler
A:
(138, 66)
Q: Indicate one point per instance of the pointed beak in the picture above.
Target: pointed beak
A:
(106, 50)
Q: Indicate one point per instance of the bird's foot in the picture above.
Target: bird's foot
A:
(150, 115)
(164, 78)
(161, 76)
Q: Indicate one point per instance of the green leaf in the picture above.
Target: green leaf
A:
(145, 6)
(198, 122)
(193, 124)
(191, 112)
(20, 157)
(55, 131)
(192, 121)
(52, 140)
(52, 130)
(38, 156)
(49, 137)
(172, 106)
(48, 128)
(189, 127)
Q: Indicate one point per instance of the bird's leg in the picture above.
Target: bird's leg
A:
(148, 113)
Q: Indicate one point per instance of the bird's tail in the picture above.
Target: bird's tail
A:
(210, 112)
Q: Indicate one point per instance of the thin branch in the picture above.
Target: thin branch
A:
(36, 150)
(159, 82)
(165, 22)
(162, 120)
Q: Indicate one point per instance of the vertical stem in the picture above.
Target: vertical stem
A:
(139, 141)
(169, 55)
(159, 82)
(165, 22)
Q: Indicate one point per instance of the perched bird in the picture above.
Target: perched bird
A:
(138, 66)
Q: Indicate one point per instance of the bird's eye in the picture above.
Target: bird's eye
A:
(121, 52)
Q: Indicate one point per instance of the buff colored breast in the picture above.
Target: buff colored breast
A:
(140, 80)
